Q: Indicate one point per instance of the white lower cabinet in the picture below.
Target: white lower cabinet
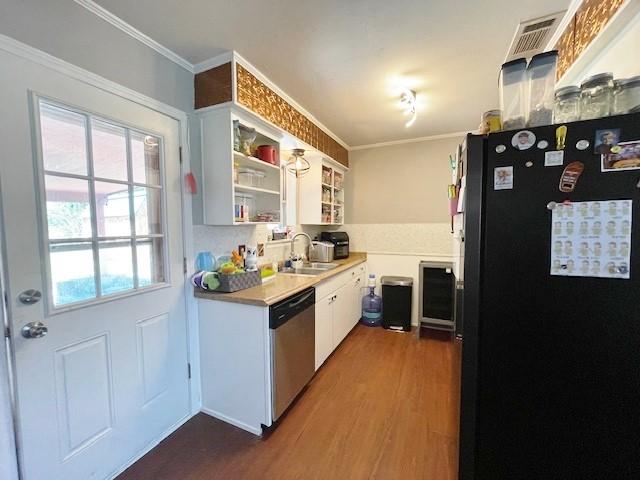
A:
(324, 328)
(338, 312)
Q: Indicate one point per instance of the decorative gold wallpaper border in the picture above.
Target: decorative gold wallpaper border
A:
(263, 101)
(589, 20)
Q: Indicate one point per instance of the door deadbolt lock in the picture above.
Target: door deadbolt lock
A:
(30, 297)
(34, 330)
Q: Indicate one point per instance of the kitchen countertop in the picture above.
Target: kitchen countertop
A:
(283, 286)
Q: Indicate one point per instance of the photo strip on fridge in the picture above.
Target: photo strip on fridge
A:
(591, 239)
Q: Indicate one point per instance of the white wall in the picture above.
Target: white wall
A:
(8, 467)
(68, 31)
(397, 209)
(222, 240)
(404, 183)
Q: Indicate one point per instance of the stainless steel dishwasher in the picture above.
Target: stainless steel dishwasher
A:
(292, 331)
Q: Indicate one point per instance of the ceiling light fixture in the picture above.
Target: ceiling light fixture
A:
(408, 100)
(297, 164)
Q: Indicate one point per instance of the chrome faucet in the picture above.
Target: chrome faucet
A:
(293, 240)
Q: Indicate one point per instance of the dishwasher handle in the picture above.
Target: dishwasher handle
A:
(300, 301)
(282, 311)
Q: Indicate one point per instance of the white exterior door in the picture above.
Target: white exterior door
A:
(91, 202)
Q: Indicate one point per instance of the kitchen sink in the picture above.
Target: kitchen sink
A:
(314, 268)
(322, 266)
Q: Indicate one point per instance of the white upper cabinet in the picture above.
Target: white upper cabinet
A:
(321, 195)
(237, 188)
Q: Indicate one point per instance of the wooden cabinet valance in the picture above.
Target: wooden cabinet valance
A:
(215, 86)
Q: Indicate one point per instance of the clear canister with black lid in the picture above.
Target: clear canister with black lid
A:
(596, 97)
(626, 96)
(567, 104)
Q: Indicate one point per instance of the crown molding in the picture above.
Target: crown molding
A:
(267, 81)
(212, 62)
(28, 52)
(233, 55)
(410, 140)
(200, 66)
(135, 33)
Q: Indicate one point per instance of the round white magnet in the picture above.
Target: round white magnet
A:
(551, 205)
(523, 140)
(582, 144)
(500, 148)
(529, 164)
(542, 144)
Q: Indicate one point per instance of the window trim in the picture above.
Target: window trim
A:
(95, 239)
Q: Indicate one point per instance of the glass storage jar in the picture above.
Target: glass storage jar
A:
(250, 177)
(596, 96)
(626, 96)
(491, 121)
(567, 105)
(244, 207)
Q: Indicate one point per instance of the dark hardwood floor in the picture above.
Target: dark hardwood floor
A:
(384, 406)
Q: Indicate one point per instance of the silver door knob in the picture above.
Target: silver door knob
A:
(29, 297)
(34, 330)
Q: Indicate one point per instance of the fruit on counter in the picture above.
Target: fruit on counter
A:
(227, 268)
(237, 258)
(266, 272)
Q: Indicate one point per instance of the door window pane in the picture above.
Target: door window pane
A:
(68, 208)
(116, 266)
(64, 140)
(72, 274)
(93, 202)
(145, 158)
(112, 209)
(150, 261)
(147, 208)
(109, 148)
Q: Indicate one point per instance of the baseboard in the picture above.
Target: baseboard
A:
(152, 445)
(232, 421)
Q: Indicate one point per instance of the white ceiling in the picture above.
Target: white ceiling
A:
(344, 60)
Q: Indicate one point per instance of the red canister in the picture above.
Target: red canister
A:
(268, 153)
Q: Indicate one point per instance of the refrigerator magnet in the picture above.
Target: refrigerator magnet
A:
(503, 178)
(554, 158)
(542, 144)
(500, 148)
(582, 144)
(624, 156)
(528, 164)
(561, 136)
(523, 140)
(606, 141)
(570, 176)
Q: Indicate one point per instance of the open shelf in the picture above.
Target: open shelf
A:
(247, 161)
(275, 222)
(244, 188)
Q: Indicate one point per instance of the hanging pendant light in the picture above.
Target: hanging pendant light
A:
(297, 164)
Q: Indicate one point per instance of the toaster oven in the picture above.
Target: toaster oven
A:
(340, 242)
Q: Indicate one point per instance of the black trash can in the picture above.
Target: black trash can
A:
(397, 293)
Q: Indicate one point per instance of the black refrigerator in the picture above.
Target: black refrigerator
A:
(551, 350)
